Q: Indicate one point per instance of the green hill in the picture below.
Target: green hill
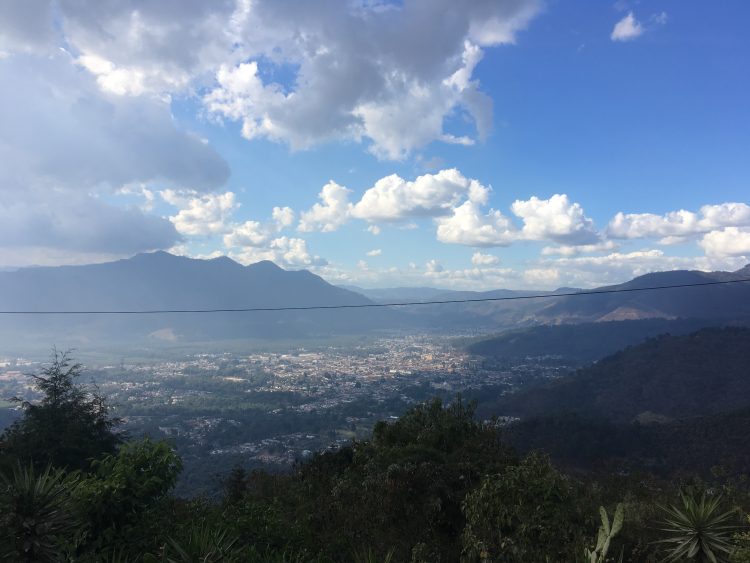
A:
(699, 374)
(583, 342)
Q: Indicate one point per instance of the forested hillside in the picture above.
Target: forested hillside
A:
(698, 374)
(672, 405)
(584, 342)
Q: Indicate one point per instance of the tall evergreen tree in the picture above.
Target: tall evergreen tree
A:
(68, 427)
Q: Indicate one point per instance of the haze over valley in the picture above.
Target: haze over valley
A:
(270, 388)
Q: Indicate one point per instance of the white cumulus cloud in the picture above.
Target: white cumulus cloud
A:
(393, 199)
(556, 219)
(388, 76)
(469, 226)
(251, 241)
(433, 267)
(287, 252)
(201, 215)
(617, 267)
(283, 217)
(135, 47)
(731, 241)
(542, 277)
(328, 215)
(675, 226)
(249, 233)
(627, 29)
(477, 278)
(572, 250)
(479, 259)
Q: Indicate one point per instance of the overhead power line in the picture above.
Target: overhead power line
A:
(375, 305)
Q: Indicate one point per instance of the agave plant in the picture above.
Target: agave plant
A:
(369, 556)
(204, 544)
(113, 556)
(698, 530)
(37, 514)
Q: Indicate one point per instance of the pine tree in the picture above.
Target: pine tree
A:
(68, 427)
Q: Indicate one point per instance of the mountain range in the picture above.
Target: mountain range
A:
(160, 280)
(163, 281)
(712, 302)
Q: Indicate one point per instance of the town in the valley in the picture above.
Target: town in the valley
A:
(274, 407)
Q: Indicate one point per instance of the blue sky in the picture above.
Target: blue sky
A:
(518, 143)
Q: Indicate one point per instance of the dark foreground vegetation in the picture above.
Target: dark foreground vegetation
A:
(434, 486)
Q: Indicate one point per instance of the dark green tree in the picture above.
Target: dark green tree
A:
(67, 428)
(400, 492)
(525, 514)
(235, 485)
(126, 496)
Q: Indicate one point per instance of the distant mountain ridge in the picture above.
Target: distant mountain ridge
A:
(711, 302)
(399, 294)
(730, 300)
(161, 280)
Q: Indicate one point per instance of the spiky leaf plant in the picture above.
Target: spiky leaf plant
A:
(698, 530)
(204, 544)
(369, 556)
(36, 514)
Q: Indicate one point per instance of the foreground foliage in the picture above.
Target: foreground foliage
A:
(434, 486)
(699, 530)
(37, 514)
(606, 534)
(528, 512)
